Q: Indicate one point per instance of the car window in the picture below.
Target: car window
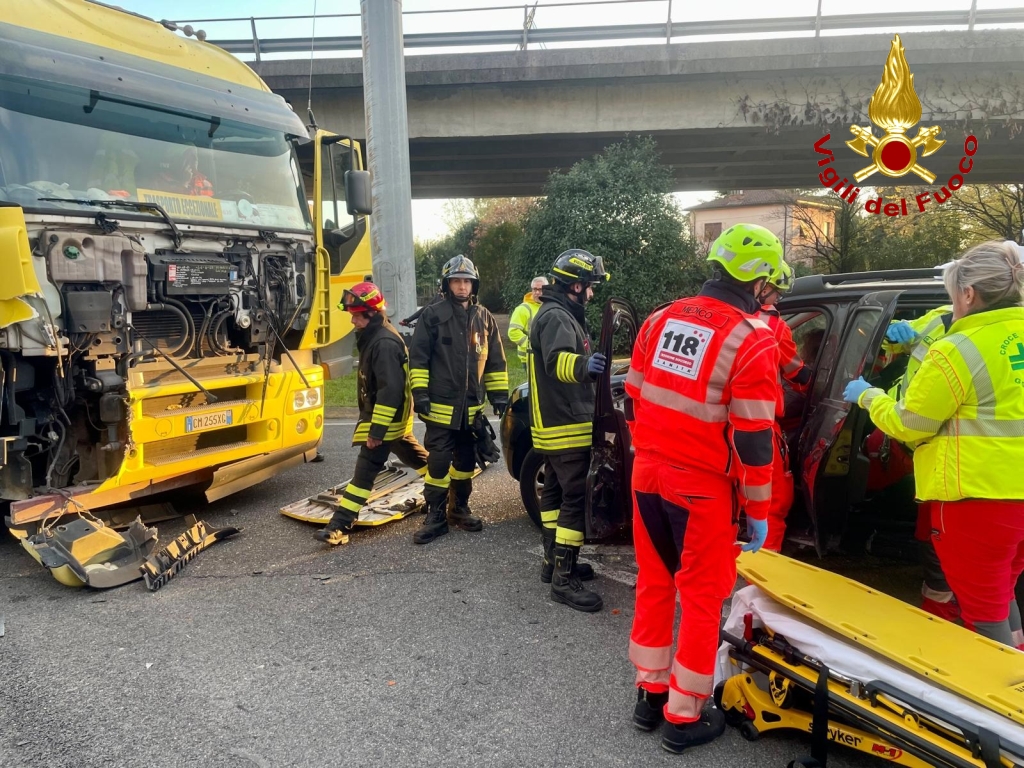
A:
(853, 355)
(808, 327)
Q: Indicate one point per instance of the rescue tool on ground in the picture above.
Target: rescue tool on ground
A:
(167, 313)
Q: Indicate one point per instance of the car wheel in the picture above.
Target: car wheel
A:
(531, 481)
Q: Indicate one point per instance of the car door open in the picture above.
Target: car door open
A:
(830, 438)
(611, 460)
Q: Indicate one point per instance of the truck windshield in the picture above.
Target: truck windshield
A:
(63, 142)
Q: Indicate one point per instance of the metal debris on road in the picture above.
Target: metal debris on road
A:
(164, 565)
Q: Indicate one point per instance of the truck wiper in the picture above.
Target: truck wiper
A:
(128, 204)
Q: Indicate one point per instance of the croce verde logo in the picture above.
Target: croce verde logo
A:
(1017, 361)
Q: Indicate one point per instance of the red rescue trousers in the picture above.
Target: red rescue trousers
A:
(684, 532)
(782, 491)
(981, 548)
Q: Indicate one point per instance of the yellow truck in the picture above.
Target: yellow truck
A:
(174, 241)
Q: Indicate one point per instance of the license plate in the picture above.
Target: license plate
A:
(207, 421)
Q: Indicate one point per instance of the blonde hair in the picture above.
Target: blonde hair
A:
(993, 269)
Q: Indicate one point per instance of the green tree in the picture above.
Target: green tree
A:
(615, 205)
(992, 212)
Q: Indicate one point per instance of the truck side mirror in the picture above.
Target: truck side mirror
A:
(358, 198)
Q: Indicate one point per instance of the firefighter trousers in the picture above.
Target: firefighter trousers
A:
(563, 499)
(684, 533)
(452, 459)
(782, 492)
(370, 462)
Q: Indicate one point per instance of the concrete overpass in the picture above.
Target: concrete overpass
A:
(496, 124)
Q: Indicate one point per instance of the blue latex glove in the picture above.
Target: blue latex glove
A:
(758, 531)
(596, 364)
(900, 332)
(855, 389)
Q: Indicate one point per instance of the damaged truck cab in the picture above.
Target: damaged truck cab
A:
(173, 242)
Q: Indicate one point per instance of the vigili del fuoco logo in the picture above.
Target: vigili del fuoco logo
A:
(895, 109)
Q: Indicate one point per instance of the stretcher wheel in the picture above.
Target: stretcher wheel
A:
(749, 731)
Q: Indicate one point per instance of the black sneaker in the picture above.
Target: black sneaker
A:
(676, 738)
(649, 711)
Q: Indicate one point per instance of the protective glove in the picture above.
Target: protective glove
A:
(421, 403)
(855, 389)
(758, 531)
(596, 364)
(500, 406)
(900, 332)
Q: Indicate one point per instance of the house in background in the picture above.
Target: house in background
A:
(800, 223)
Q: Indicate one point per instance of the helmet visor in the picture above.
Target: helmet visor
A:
(352, 303)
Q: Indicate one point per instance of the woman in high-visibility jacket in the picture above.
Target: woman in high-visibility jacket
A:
(964, 412)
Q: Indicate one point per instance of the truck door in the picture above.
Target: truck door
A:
(609, 497)
(831, 481)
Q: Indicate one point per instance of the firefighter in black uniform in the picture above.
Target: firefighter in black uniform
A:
(385, 406)
(562, 370)
(456, 360)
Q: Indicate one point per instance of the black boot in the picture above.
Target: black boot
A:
(676, 738)
(460, 516)
(435, 524)
(584, 571)
(649, 711)
(566, 586)
(337, 529)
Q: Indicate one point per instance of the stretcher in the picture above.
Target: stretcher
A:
(972, 666)
(397, 492)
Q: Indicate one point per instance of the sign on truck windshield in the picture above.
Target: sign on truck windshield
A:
(71, 143)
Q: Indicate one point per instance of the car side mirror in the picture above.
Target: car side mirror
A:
(358, 197)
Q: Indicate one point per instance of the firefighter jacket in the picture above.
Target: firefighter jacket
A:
(561, 391)
(456, 357)
(702, 390)
(791, 366)
(385, 404)
(965, 410)
(519, 325)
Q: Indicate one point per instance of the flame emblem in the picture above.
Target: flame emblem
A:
(895, 108)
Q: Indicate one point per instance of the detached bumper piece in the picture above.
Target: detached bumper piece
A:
(164, 565)
(875, 718)
(84, 552)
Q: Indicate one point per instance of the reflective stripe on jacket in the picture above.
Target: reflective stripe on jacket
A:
(929, 327)
(456, 357)
(519, 325)
(965, 410)
(385, 405)
(561, 390)
(704, 384)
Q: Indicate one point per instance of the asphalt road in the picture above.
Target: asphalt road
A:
(272, 649)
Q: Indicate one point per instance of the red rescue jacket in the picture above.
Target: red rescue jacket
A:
(702, 388)
(791, 365)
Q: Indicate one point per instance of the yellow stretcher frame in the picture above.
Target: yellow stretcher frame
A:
(982, 670)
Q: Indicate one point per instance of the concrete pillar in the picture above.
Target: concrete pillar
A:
(387, 140)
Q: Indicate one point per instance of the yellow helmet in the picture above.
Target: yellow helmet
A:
(782, 280)
(747, 252)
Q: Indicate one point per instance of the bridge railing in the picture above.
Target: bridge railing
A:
(668, 29)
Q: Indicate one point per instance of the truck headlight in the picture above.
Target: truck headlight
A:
(304, 399)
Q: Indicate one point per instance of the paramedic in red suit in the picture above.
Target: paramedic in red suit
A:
(701, 396)
(798, 375)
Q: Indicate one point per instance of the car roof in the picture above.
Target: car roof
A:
(918, 281)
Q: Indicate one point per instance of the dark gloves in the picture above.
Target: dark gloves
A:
(596, 364)
(421, 403)
(500, 405)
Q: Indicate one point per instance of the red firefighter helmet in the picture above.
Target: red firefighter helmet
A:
(363, 297)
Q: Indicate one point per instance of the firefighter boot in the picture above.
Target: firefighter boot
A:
(337, 529)
(584, 571)
(677, 737)
(649, 711)
(459, 515)
(435, 524)
(566, 586)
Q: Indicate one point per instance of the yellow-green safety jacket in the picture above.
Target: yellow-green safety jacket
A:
(964, 409)
(929, 327)
(385, 401)
(519, 325)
